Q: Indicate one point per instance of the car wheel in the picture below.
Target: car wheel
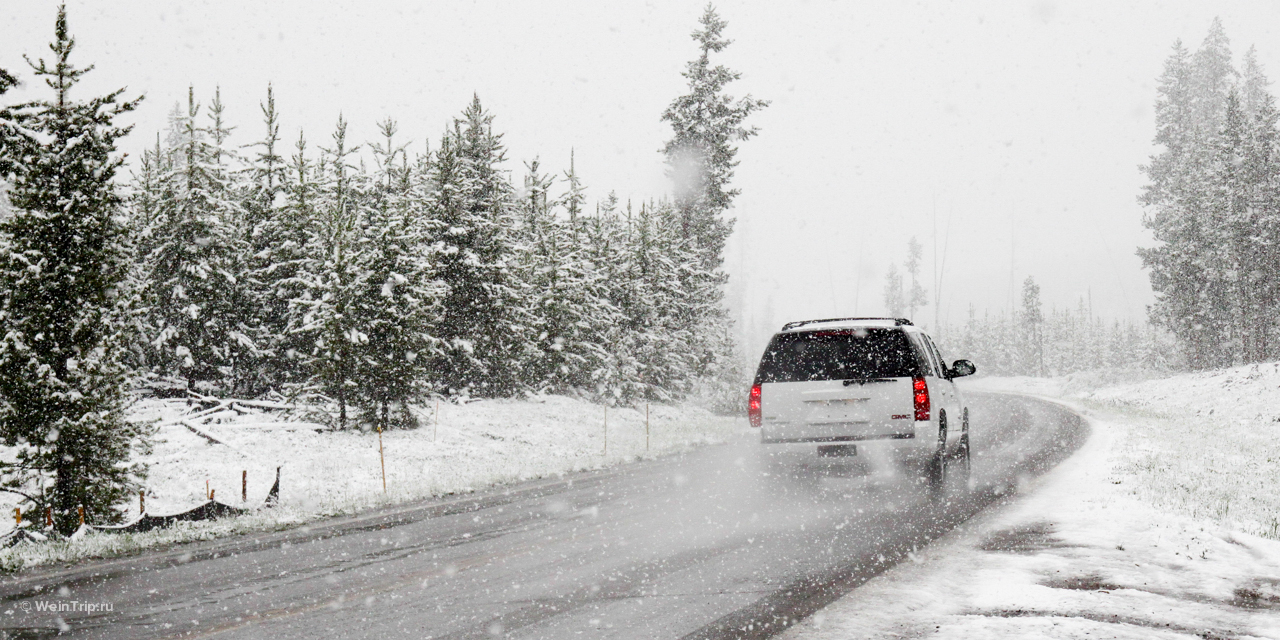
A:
(938, 464)
(963, 461)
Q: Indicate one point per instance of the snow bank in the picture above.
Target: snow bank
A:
(325, 473)
(1155, 529)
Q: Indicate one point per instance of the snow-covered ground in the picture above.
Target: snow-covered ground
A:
(324, 473)
(1164, 525)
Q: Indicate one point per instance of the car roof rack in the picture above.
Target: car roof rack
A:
(897, 322)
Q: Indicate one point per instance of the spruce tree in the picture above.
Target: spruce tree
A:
(1212, 77)
(276, 223)
(1187, 275)
(63, 261)
(282, 273)
(707, 122)
(915, 297)
(8, 162)
(1226, 262)
(566, 267)
(1169, 198)
(400, 296)
(1032, 328)
(1262, 174)
(195, 289)
(333, 276)
(895, 302)
(480, 325)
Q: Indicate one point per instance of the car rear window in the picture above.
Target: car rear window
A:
(837, 355)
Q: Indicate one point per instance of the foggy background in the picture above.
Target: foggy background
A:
(1006, 136)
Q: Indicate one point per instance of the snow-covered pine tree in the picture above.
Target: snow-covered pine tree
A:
(575, 196)
(1211, 78)
(1191, 275)
(1032, 333)
(282, 272)
(620, 286)
(401, 297)
(1226, 267)
(1262, 173)
(713, 372)
(539, 259)
(564, 270)
(915, 297)
(277, 208)
(194, 290)
(480, 325)
(63, 260)
(333, 276)
(267, 173)
(595, 268)
(707, 122)
(243, 373)
(146, 193)
(1170, 198)
(650, 358)
(621, 374)
(678, 306)
(895, 302)
(8, 130)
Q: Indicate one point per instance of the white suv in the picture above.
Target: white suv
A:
(825, 387)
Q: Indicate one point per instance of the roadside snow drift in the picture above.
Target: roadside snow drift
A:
(1162, 526)
(234, 456)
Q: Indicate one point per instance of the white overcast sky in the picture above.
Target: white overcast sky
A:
(1021, 124)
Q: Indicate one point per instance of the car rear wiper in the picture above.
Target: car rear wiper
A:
(861, 381)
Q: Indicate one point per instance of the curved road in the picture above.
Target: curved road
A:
(688, 546)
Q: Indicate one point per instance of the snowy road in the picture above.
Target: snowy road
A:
(689, 546)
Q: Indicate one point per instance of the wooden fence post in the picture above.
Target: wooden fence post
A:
(244, 485)
(17, 516)
(81, 508)
(142, 502)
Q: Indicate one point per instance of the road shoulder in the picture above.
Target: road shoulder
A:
(1075, 552)
(327, 474)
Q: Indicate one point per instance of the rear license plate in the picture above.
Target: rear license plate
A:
(837, 450)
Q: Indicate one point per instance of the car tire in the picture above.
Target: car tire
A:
(964, 461)
(938, 463)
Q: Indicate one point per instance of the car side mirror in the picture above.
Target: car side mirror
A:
(962, 368)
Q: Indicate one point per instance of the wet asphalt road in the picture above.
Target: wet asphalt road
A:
(689, 546)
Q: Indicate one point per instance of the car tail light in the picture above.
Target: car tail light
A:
(753, 406)
(921, 392)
